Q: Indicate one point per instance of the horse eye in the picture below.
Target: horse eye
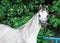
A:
(39, 15)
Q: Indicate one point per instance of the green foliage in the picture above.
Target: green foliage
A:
(11, 10)
(41, 35)
(55, 6)
(54, 21)
(17, 12)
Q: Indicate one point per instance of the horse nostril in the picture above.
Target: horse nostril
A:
(43, 21)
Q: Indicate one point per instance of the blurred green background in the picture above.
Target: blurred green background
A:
(17, 12)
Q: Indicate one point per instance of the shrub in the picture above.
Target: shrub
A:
(17, 12)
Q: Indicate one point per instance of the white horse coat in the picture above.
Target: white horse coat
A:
(25, 34)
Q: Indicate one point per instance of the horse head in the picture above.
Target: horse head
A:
(43, 15)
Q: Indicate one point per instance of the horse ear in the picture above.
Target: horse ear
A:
(47, 7)
(40, 7)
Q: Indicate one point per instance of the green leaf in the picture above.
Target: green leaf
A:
(54, 25)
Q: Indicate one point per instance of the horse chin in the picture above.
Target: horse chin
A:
(43, 24)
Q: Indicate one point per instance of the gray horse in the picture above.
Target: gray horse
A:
(26, 33)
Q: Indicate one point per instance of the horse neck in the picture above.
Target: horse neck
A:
(30, 30)
(32, 27)
(35, 27)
